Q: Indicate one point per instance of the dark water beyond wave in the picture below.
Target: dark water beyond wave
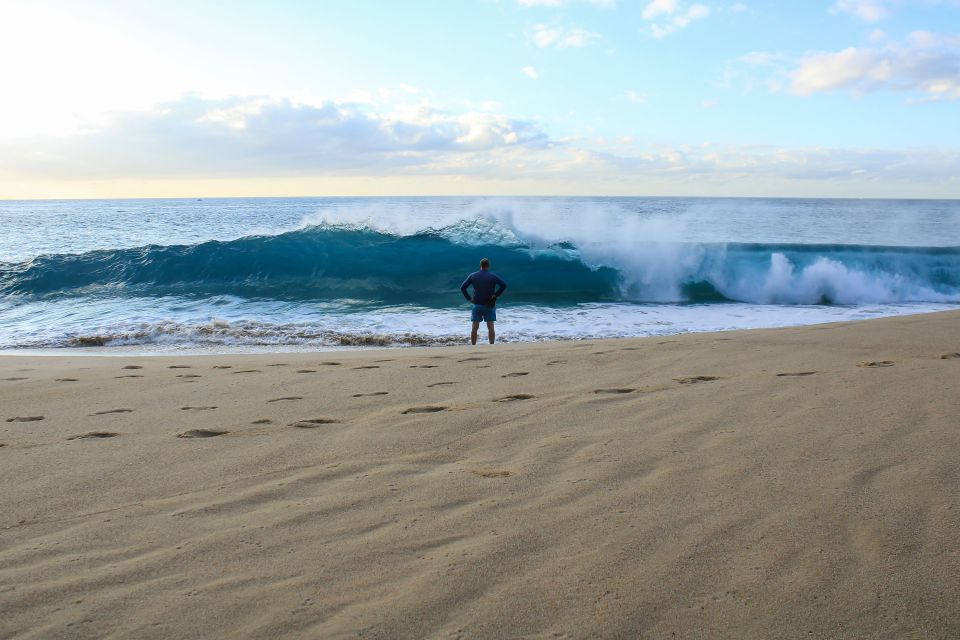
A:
(364, 266)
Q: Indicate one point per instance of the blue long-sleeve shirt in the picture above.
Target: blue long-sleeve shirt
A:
(486, 284)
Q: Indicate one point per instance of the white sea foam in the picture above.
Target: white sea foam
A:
(244, 324)
(656, 260)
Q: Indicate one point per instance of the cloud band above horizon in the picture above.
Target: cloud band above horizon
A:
(246, 137)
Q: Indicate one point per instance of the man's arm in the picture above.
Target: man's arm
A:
(463, 289)
(501, 287)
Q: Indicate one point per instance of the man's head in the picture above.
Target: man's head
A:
(484, 264)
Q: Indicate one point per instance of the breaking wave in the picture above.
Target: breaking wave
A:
(360, 265)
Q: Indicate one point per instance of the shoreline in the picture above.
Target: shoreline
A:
(752, 483)
(173, 350)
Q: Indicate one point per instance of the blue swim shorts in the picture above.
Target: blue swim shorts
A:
(483, 313)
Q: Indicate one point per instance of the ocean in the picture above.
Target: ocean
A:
(229, 275)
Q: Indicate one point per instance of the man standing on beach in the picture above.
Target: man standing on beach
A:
(487, 287)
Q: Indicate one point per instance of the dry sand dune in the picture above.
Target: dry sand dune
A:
(789, 483)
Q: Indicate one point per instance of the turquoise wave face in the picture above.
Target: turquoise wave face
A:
(311, 264)
(364, 267)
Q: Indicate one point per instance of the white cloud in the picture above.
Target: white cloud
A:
(560, 37)
(265, 136)
(659, 7)
(878, 10)
(670, 17)
(696, 12)
(827, 71)
(269, 138)
(927, 64)
(752, 162)
(739, 7)
(866, 10)
(928, 40)
(531, 72)
(637, 98)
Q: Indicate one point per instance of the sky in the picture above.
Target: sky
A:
(202, 98)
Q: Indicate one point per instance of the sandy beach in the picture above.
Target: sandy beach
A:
(785, 483)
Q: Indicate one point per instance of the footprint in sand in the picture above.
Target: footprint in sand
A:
(330, 364)
(490, 473)
(796, 374)
(179, 366)
(132, 375)
(875, 364)
(222, 366)
(103, 413)
(189, 375)
(471, 360)
(424, 366)
(427, 409)
(94, 434)
(25, 419)
(630, 349)
(616, 390)
(279, 364)
(367, 366)
(515, 374)
(285, 398)
(439, 384)
(262, 421)
(387, 360)
(313, 423)
(516, 396)
(950, 356)
(66, 380)
(14, 379)
(132, 366)
(372, 393)
(201, 433)
(553, 362)
(696, 379)
(306, 370)
(197, 408)
(247, 371)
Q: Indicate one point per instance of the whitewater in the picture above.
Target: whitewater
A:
(304, 273)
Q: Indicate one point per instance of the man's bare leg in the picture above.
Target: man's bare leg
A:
(490, 332)
(473, 333)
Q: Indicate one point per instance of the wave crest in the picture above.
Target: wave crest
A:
(365, 266)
